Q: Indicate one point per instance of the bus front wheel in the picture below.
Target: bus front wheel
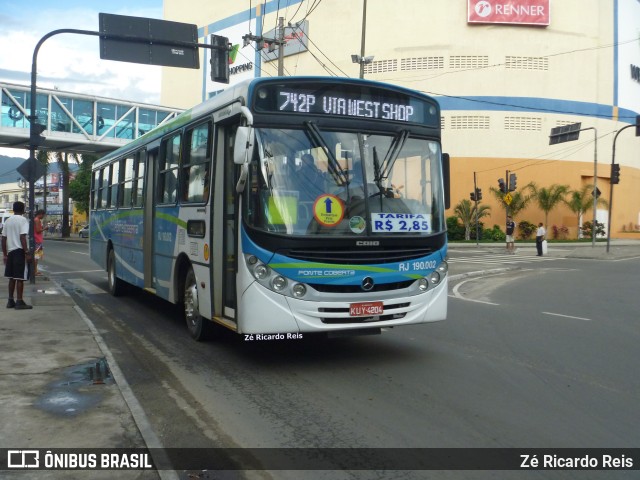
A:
(198, 327)
(116, 286)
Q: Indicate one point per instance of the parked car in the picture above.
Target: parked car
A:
(84, 232)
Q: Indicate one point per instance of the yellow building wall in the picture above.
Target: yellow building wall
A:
(430, 47)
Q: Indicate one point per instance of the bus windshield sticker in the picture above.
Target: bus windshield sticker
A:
(401, 222)
(357, 224)
(328, 210)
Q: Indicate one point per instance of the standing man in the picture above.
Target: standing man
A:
(16, 256)
(540, 234)
(511, 227)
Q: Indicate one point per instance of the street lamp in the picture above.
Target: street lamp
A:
(362, 61)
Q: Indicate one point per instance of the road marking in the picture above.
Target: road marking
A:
(80, 253)
(459, 296)
(566, 316)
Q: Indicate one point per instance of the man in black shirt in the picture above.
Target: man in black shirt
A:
(511, 227)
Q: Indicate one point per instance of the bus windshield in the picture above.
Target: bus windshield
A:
(313, 181)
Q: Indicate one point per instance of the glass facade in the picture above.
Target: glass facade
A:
(69, 114)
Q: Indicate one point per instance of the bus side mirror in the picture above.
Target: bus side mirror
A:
(243, 145)
(446, 180)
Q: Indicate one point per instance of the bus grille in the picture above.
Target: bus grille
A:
(379, 287)
(389, 315)
(357, 256)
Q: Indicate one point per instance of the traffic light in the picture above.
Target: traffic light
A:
(478, 194)
(472, 196)
(512, 181)
(615, 173)
(219, 59)
(502, 185)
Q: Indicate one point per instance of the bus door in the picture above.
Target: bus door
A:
(149, 215)
(225, 232)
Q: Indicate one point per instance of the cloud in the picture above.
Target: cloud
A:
(71, 62)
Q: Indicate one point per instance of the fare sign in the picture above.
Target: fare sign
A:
(520, 12)
(366, 309)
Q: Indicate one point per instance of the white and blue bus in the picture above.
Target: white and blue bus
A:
(281, 207)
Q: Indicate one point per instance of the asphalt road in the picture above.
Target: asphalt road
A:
(541, 356)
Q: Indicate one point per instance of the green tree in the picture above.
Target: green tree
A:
(548, 198)
(519, 200)
(580, 201)
(80, 187)
(466, 211)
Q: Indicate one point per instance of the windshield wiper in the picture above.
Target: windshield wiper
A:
(392, 153)
(337, 172)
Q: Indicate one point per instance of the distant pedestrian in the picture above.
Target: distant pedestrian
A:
(540, 236)
(16, 256)
(511, 227)
(38, 238)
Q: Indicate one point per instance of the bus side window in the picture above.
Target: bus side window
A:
(196, 164)
(127, 182)
(138, 181)
(168, 169)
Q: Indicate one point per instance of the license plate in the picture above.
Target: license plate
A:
(365, 309)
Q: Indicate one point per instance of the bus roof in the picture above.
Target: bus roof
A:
(243, 91)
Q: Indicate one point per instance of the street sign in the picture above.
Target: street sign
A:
(148, 41)
(566, 133)
(508, 199)
(31, 169)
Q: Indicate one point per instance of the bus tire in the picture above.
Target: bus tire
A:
(199, 328)
(116, 286)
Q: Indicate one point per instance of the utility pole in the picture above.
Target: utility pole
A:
(281, 46)
(271, 43)
(364, 30)
(475, 191)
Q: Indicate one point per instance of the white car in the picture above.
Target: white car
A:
(84, 232)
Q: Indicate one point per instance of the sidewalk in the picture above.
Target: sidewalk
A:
(57, 387)
(618, 249)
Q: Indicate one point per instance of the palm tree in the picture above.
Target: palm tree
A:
(466, 211)
(519, 200)
(548, 198)
(582, 200)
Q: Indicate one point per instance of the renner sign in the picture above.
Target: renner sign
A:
(521, 12)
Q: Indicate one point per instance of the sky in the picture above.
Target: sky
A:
(71, 62)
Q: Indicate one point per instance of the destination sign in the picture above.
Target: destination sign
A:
(340, 100)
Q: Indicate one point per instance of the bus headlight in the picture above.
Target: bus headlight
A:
(278, 283)
(261, 272)
(437, 275)
(423, 284)
(299, 290)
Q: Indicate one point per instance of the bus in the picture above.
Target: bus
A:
(283, 207)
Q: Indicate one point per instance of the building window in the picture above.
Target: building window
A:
(422, 63)
(468, 61)
(526, 63)
(523, 123)
(470, 122)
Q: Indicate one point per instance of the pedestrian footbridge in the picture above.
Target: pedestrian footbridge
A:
(74, 122)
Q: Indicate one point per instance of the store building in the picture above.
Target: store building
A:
(505, 73)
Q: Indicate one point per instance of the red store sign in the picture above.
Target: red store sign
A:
(520, 12)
